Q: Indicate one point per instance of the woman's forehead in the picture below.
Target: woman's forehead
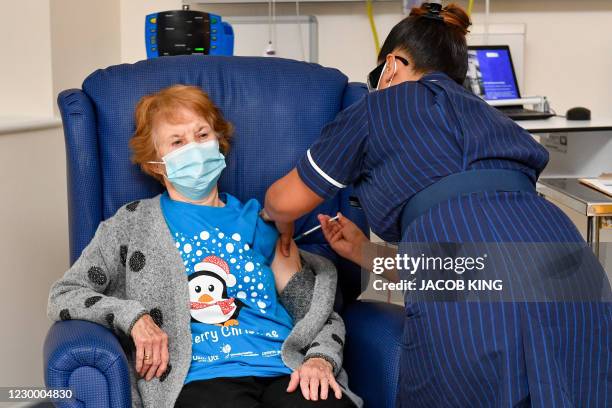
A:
(179, 117)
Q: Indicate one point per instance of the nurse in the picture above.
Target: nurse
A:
(430, 162)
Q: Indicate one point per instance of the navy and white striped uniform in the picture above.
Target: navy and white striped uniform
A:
(392, 144)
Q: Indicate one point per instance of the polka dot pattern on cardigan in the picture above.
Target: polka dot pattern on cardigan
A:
(137, 261)
(157, 316)
(65, 314)
(165, 374)
(132, 206)
(96, 275)
(110, 321)
(90, 301)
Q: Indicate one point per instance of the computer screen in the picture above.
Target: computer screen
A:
(491, 74)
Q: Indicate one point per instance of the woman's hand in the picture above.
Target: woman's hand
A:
(151, 342)
(344, 237)
(313, 373)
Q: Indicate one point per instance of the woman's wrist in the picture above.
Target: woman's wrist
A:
(328, 362)
(358, 256)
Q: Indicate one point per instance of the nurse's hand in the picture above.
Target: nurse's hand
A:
(286, 230)
(315, 373)
(344, 237)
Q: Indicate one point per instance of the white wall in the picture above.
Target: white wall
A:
(133, 14)
(25, 67)
(33, 247)
(55, 48)
(85, 36)
(33, 237)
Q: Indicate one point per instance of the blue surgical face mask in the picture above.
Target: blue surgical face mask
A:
(194, 169)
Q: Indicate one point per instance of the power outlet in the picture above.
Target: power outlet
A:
(555, 142)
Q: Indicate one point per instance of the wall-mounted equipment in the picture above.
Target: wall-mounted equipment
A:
(184, 32)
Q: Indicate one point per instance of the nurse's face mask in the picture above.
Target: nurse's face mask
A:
(376, 75)
(194, 169)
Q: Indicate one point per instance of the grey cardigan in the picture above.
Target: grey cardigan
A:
(132, 267)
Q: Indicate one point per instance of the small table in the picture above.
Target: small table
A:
(581, 198)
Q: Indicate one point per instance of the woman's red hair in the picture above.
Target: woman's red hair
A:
(166, 105)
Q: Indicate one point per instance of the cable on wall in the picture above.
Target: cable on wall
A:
(370, 12)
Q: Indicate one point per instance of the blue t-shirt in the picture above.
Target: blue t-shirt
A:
(237, 323)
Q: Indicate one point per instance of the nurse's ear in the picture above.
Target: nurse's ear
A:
(388, 74)
(398, 69)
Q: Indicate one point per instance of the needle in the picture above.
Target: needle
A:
(313, 229)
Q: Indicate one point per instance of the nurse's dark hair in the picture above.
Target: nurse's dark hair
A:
(432, 44)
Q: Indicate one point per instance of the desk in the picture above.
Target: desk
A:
(557, 124)
(588, 153)
(583, 199)
(588, 148)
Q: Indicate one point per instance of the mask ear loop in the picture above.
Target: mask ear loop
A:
(394, 71)
(381, 75)
(158, 167)
(156, 162)
(156, 150)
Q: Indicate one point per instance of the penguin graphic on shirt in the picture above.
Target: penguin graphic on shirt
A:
(208, 297)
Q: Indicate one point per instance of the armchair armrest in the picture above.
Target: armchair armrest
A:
(371, 355)
(87, 358)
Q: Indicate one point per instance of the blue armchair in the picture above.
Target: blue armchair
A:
(278, 108)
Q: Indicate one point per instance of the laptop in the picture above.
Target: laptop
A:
(491, 76)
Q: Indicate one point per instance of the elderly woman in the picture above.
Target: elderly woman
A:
(192, 284)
